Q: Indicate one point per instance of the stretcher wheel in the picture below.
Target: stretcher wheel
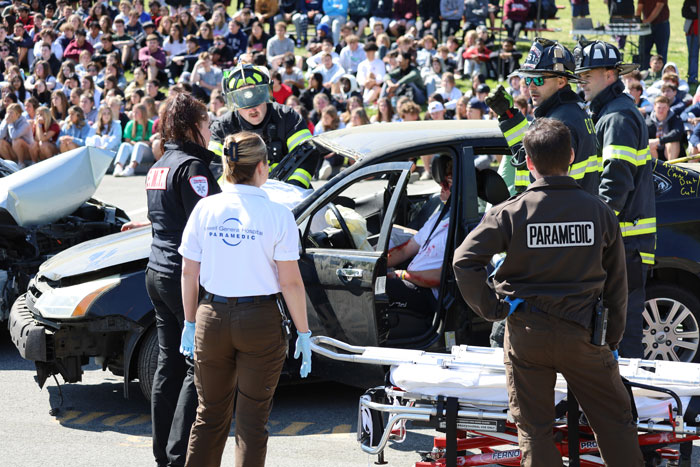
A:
(652, 459)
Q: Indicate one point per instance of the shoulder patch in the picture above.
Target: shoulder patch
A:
(157, 178)
(560, 234)
(200, 185)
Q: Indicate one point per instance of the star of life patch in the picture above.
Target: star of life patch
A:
(560, 234)
(157, 178)
(200, 185)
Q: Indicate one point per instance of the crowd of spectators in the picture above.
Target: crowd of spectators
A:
(76, 73)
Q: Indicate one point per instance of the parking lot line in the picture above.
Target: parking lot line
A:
(138, 420)
(69, 415)
(293, 428)
(341, 429)
(88, 418)
(113, 420)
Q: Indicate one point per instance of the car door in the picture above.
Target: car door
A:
(344, 285)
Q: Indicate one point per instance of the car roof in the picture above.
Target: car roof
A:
(375, 139)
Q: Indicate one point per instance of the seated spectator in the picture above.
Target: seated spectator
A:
(122, 40)
(205, 78)
(87, 104)
(330, 72)
(30, 107)
(236, 39)
(476, 109)
(87, 84)
(152, 59)
(432, 77)
(23, 44)
(671, 92)
(358, 117)
(426, 51)
(153, 91)
(449, 92)
(326, 47)
(359, 12)
(278, 45)
(291, 75)
(59, 106)
(181, 65)
(314, 45)
(514, 85)
(385, 111)
(74, 130)
(45, 131)
(321, 101)
(218, 23)
(436, 111)
(308, 95)
(477, 58)
(370, 74)
(643, 105)
(524, 106)
(280, 91)
(138, 82)
(257, 39)
(221, 54)
(205, 36)
(94, 33)
(515, 13)
(666, 132)
(409, 111)
(352, 54)
(48, 57)
(506, 60)
(451, 12)
(15, 136)
(136, 145)
(405, 80)
(107, 132)
(336, 14)
(475, 14)
(461, 108)
(347, 89)
(77, 45)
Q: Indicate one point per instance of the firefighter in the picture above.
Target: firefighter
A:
(550, 306)
(548, 70)
(626, 183)
(248, 95)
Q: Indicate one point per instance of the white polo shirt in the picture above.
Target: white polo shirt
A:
(237, 236)
(432, 250)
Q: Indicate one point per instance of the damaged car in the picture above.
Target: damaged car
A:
(46, 208)
(91, 300)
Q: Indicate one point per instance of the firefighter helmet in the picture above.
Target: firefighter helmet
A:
(598, 54)
(246, 86)
(548, 57)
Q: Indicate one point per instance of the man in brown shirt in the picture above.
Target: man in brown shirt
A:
(559, 261)
(654, 12)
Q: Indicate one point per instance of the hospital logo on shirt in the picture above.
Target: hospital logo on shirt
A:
(232, 233)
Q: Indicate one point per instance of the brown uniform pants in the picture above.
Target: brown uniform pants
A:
(537, 346)
(239, 353)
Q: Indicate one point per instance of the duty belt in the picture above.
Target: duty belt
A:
(210, 297)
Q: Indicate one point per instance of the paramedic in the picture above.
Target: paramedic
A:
(236, 333)
(174, 185)
(549, 305)
(248, 95)
(626, 183)
(417, 286)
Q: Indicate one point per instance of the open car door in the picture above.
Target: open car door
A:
(344, 269)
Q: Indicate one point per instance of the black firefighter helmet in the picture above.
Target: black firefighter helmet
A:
(598, 54)
(246, 86)
(548, 57)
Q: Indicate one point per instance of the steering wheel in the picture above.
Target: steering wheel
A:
(343, 225)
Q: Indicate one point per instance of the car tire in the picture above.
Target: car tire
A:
(669, 304)
(148, 362)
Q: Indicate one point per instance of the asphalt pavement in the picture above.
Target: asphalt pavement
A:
(91, 424)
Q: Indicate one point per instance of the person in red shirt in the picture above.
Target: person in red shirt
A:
(478, 57)
(77, 45)
(152, 58)
(280, 91)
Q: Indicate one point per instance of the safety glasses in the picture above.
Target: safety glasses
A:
(538, 80)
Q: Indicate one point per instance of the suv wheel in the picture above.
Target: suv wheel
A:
(148, 361)
(671, 331)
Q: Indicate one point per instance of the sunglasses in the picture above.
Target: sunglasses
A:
(4, 50)
(538, 80)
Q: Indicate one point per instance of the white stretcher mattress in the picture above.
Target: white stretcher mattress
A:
(478, 374)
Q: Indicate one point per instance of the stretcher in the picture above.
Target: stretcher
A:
(464, 395)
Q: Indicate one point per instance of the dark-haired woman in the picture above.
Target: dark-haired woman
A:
(235, 334)
(174, 185)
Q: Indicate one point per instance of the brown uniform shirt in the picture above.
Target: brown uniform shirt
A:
(564, 249)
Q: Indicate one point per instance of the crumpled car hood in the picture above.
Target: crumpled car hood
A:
(54, 188)
(100, 253)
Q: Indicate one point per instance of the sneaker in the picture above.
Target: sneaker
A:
(128, 172)
(117, 171)
(324, 173)
(426, 175)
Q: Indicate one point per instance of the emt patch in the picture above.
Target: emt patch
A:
(200, 185)
(157, 178)
(560, 234)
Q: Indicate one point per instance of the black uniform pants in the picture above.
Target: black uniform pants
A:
(631, 344)
(174, 396)
(537, 346)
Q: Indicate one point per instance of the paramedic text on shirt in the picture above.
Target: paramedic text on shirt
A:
(242, 249)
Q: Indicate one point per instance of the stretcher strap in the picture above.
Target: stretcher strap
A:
(451, 432)
(572, 424)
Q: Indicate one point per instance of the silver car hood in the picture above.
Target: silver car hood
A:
(100, 253)
(55, 187)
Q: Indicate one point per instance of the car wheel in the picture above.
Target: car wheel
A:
(671, 316)
(148, 361)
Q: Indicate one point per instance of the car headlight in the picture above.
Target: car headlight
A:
(74, 301)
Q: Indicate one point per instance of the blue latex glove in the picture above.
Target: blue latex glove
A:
(187, 340)
(616, 354)
(513, 302)
(303, 347)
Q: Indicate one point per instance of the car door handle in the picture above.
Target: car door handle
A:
(349, 273)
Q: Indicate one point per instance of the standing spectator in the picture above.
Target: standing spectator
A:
(690, 13)
(655, 13)
(205, 78)
(667, 135)
(136, 145)
(336, 14)
(15, 136)
(152, 58)
(74, 131)
(278, 45)
(451, 12)
(515, 15)
(77, 45)
(45, 131)
(236, 39)
(352, 54)
(370, 74)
